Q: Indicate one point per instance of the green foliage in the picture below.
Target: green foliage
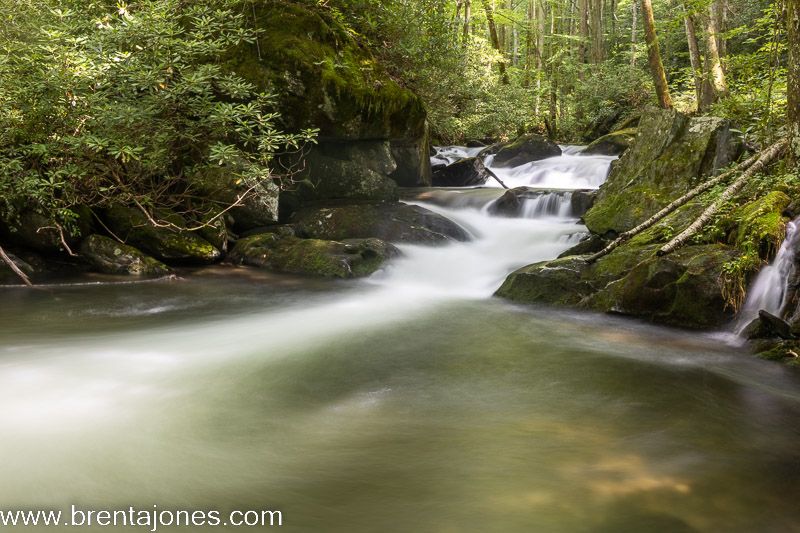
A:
(103, 104)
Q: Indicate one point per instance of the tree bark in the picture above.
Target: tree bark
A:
(694, 57)
(633, 34)
(598, 50)
(583, 30)
(766, 157)
(654, 56)
(793, 79)
(716, 75)
(487, 6)
(467, 19)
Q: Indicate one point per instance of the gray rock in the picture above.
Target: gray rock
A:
(523, 150)
(463, 173)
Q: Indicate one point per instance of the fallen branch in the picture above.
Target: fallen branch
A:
(483, 169)
(7, 260)
(769, 155)
(670, 208)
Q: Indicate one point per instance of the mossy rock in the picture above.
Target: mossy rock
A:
(524, 149)
(671, 155)
(681, 289)
(167, 244)
(614, 143)
(314, 257)
(37, 232)
(259, 207)
(759, 223)
(111, 257)
(393, 222)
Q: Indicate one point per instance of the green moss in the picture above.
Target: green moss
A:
(761, 224)
(324, 77)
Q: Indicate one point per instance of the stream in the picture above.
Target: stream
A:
(408, 401)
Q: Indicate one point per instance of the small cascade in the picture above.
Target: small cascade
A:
(770, 290)
(447, 155)
(550, 204)
(570, 170)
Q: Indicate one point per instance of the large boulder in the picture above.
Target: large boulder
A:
(463, 173)
(393, 222)
(111, 257)
(671, 154)
(166, 243)
(681, 289)
(527, 148)
(614, 143)
(36, 232)
(282, 253)
(326, 79)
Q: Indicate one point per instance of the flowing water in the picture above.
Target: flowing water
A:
(770, 289)
(409, 401)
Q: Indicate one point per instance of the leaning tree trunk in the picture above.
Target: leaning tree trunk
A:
(13, 266)
(793, 96)
(495, 40)
(769, 155)
(654, 56)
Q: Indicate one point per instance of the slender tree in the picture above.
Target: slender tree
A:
(598, 48)
(654, 56)
(716, 76)
(487, 7)
(793, 96)
(694, 56)
(633, 33)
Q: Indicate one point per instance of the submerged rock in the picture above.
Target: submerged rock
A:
(614, 143)
(347, 259)
(463, 173)
(111, 257)
(523, 150)
(164, 243)
(393, 222)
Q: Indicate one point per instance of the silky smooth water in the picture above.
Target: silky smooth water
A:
(409, 401)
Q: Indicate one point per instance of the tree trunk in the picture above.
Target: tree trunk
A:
(694, 57)
(598, 50)
(654, 56)
(793, 78)
(487, 6)
(583, 30)
(467, 19)
(13, 266)
(716, 76)
(634, 24)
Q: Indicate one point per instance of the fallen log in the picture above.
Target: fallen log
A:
(766, 157)
(483, 169)
(670, 208)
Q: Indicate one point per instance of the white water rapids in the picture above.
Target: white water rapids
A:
(409, 401)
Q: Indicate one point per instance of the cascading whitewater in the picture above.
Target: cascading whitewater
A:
(770, 290)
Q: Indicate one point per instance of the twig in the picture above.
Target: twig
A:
(7, 260)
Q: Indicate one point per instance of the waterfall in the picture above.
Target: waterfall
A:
(770, 290)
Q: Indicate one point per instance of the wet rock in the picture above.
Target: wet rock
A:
(347, 259)
(393, 222)
(614, 143)
(523, 150)
(582, 201)
(766, 326)
(463, 173)
(111, 257)
(557, 282)
(37, 232)
(589, 245)
(164, 243)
